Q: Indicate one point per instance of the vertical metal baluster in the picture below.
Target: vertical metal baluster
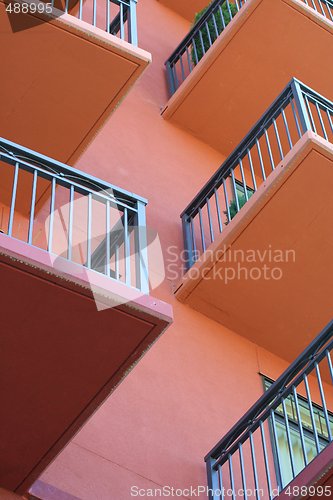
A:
(190, 65)
(310, 113)
(264, 447)
(321, 8)
(51, 220)
(229, 9)
(212, 476)
(203, 243)
(127, 249)
(329, 11)
(329, 119)
(276, 446)
(188, 243)
(271, 159)
(243, 179)
(287, 128)
(329, 361)
(175, 77)
(211, 229)
(122, 29)
(231, 473)
(89, 232)
(235, 189)
(276, 130)
(116, 262)
(80, 9)
(300, 426)
(321, 121)
(226, 200)
(142, 276)
(94, 12)
(202, 43)
(70, 223)
(221, 482)
(222, 17)
(66, 6)
(261, 160)
(254, 466)
(298, 95)
(218, 210)
(308, 395)
(241, 461)
(248, 152)
(193, 239)
(208, 34)
(182, 67)
(323, 399)
(237, 5)
(107, 15)
(195, 51)
(215, 25)
(32, 207)
(296, 118)
(286, 423)
(13, 200)
(132, 27)
(314, 5)
(107, 239)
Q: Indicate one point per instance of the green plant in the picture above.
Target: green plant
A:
(197, 54)
(233, 205)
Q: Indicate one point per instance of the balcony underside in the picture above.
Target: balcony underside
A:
(267, 43)
(63, 78)
(291, 215)
(319, 473)
(186, 8)
(60, 357)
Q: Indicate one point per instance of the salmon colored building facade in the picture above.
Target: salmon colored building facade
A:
(138, 326)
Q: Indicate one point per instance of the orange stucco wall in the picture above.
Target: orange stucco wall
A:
(199, 378)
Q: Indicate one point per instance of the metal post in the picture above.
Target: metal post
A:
(190, 260)
(170, 78)
(300, 105)
(132, 26)
(142, 258)
(213, 480)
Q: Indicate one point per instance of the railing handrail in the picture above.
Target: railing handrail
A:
(15, 151)
(201, 196)
(199, 200)
(193, 30)
(272, 397)
(126, 14)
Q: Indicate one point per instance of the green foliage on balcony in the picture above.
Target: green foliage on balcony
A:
(203, 40)
(233, 205)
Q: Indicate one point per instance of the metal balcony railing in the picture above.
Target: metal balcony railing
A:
(73, 215)
(117, 17)
(298, 109)
(199, 39)
(206, 31)
(281, 433)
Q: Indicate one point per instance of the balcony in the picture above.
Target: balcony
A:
(285, 437)
(257, 236)
(69, 65)
(76, 309)
(238, 56)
